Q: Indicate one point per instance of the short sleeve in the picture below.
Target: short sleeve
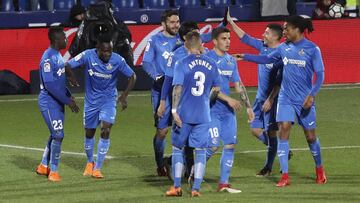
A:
(149, 53)
(124, 68)
(78, 60)
(317, 61)
(235, 77)
(179, 74)
(47, 68)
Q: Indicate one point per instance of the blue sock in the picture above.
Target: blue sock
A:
(283, 153)
(226, 164)
(177, 165)
(55, 154)
(159, 147)
(271, 153)
(103, 147)
(46, 155)
(199, 171)
(209, 153)
(316, 152)
(263, 138)
(89, 148)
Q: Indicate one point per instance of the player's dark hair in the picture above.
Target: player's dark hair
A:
(301, 23)
(53, 30)
(187, 27)
(277, 28)
(168, 13)
(219, 30)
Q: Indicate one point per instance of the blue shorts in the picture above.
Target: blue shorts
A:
(264, 120)
(94, 114)
(222, 127)
(192, 135)
(166, 120)
(305, 118)
(54, 119)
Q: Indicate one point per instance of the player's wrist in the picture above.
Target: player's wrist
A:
(173, 111)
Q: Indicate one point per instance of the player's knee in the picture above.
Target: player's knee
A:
(105, 133)
(162, 133)
(90, 133)
(229, 146)
(311, 138)
(256, 132)
(58, 135)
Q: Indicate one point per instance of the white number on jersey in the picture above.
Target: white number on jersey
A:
(200, 80)
(57, 124)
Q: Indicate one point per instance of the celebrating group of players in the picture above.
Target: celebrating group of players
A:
(191, 93)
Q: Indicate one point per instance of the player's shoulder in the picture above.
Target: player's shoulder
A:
(311, 45)
(156, 37)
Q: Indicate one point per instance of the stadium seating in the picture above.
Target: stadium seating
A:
(7, 5)
(187, 3)
(156, 4)
(126, 4)
(64, 4)
(218, 3)
(244, 2)
(86, 3)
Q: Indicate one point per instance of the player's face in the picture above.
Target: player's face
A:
(223, 41)
(269, 36)
(172, 24)
(290, 32)
(61, 40)
(104, 51)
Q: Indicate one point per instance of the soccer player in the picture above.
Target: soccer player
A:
(301, 58)
(52, 98)
(223, 119)
(157, 53)
(264, 127)
(194, 76)
(102, 67)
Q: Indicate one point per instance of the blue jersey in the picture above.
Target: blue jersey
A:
(267, 73)
(101, 78)
(178, 54)
(301, 60)
(228, 70)
(52, 70)
(158, 51)
(197, 74)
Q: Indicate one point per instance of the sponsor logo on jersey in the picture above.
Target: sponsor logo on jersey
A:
(100, 75)
(299, 63)
(225, 72)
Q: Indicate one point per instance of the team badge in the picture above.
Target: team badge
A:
(109, 66)
(301, 52)
(47, 67)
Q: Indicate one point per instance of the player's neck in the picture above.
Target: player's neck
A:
(219, 52)
(298, 38)
(166, 34)
(55, 47)
(273, 44)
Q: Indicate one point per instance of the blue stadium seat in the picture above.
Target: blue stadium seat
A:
(64, 4)
(126, 3)
(243, 2)
(218, 3)
(156, 4)
(188, 3)
(86, 3)
(7, 5)
(24, 5)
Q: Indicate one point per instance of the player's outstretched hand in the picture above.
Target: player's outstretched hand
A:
(309, 100)
(251, 115)
(123, 102)
(234, 104)
(238, 57)
(267, 105)
(177, 119)
(73, 82)
(161, 109)
(72, 105)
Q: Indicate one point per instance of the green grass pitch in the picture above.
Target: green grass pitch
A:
(130, 175)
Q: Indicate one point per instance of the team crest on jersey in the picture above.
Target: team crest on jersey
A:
(47, 67)
(301, 52)
(109, 66)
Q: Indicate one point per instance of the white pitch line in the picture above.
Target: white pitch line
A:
(326, 87)
(147, 155)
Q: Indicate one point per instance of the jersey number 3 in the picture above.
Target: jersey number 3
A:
(200, 80)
